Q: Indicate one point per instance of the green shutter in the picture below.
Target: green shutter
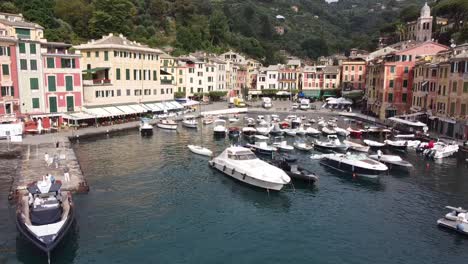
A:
(33, 65)
(35, 103)
(23, 33)
(70, 104)
(53, 104)
(32, 48)
(127, 74)
(5, 69)
(50, 63)
(51, 83)
(23, 64)
(22, 48)
(96, 54)
(34, 83)
(403, 98)
(117, 73)
(88, 54)
(69, 83)
(106, 55)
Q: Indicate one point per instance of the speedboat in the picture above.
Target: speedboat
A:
(275, 118)
(261, 145)
(373, 144)
(404, 136)
(200, 150)
(249, 131)
(290, 132)
(341, 132)
(456, 220)
(282, 145)
(300, 131)
(207, 120)
(322, 123)
(241, 164)
(293, 170)
(312, 121)
(263, 128)
(302, 145)
(393, 160)
(354, 133)
(190, 122)
(234, 132)
(332, 144)
(321, 156)
(45, 213)
(260, 118)
(219, 128)
(250, 122)
(441, 150)
(296, 122)
(276, 130)
(328, 131)
(233, 119)
(358, 165)
(356, 146)
(167, 124)
(397, 144)
(145, 127)
(310, 131)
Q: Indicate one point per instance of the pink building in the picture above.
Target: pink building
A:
(9, 96)
(62, 78)
(390, 84)
(354, 73)
(241, 82)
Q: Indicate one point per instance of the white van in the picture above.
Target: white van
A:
(305, 104)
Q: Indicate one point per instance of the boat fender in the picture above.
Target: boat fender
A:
(224, 168)
(462, 227)
(244, 175)
(233, 171)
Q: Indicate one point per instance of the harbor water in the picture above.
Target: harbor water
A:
(152, 201)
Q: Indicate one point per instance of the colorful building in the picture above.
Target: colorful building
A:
(9, 96)
(62, 78)
(354, 73)
(120, 71)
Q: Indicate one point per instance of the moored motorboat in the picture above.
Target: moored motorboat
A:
(234, 132)
(248, 131)
(44, 215)
(260, 118)
(290, 132)
(276, 130)
(207, 120)
(397, 144)
(167, 124)
(263, 128)
(310, 131)
(294, 171)
(200, 150)
(333, 144)
(190, 122)
(261, 145)
(146, 129)
(282, 145)
(354, 133)
(219, 128)
(300, 131)
(357, 165)
(456, 220)
(241, 164)
(394, 161)
(356, 146)
(328, 131)
(441, 150)
(373, 144)
(303, 145)
(341, 132)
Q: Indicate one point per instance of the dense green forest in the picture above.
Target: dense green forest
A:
(311, 27)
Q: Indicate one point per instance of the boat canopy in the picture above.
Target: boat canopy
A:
(407, 122)
(54, 187)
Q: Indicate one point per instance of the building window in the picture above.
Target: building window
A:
(129, 92)
(51, 83)
(96, 54)
(32, 48)
(33, 65)
(35, 103)
(117, 74)
(454, 87)
(22, 48)
(463, 110)
(4, 51)
(392, 69)
(127, 74)
(162, 91)
(346, 68)
(465, 87)
(391, 83)
(68, 63)
(390, 97)
(119, 92)
(452, 108)
(88, 54)
(405, 83)
(106, 55)
(23, 64)
(50, 63)
(8, 91)
(34, 83)
(69, 83)
(404, 97)
(155, 91)
(155, 76)
(406, 69)
(5, 69)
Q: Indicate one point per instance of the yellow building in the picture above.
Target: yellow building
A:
(120, 71)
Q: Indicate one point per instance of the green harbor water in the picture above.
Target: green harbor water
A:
(152, 201)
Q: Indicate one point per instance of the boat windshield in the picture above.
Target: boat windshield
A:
(242, 156)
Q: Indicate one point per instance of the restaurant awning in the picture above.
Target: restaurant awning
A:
(127, 110)
(328, 93)
(177, 105)
(97, 112)
(154, 107)
(169, 106)
(94, 70)
(160, 106)
(138, 108)
(78, 116)
(311, 93)
(114, 111)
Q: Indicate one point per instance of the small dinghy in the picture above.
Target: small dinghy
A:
(456, 220)
(219, 128)
(356, 146)
(373, 144)
(283, 146)
(233, 119)
(234, 132)
(294, 171)
(200, 150)
(393, 160)
(190, 122)
(167, 124)
(207, 120)
(302, 145)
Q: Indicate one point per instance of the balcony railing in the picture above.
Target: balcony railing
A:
(96, 82)
(163, 81)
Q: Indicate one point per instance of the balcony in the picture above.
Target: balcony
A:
(164, 81)
(97, 82)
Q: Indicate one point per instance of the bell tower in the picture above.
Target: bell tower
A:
(424, 24)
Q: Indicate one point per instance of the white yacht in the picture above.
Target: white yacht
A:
(263, 128)
(310, 131)
(441, 150)
(241, 164)
(167, 124)
(190, 121)
(373, 144)
(359, 165)
(145, 127)
(220, 127)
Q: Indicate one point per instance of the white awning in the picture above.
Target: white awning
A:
(127, 110)
(138, 108)
(407, 122)
(113, 110)
(78, 116)
(97, 112)
(147, 107)
(191, 103)
(177, 105)
(160, 106)
(169, 106)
